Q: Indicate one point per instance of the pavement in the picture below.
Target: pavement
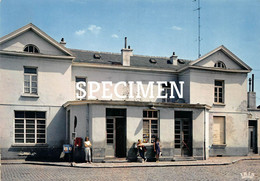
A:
(212, 161)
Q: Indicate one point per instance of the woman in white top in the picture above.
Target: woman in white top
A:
(87, 145)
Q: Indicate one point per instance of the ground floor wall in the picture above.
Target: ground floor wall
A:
(236, 134)
(255, 115)
(92, 122)
(55, 126)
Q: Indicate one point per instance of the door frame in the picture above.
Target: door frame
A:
(252, 128)
(182, 116)
(114, 134)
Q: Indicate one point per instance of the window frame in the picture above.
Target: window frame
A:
(220, 64)
(30, 81)
(81, 87)
(166, 89)
(35, 128)
(150, 119)
(33, 47)
(218, 92)
(224, 132)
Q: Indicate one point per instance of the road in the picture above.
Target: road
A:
(40, 172)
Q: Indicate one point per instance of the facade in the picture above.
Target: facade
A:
(211, 115)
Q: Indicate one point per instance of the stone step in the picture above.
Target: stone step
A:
(179, 159)
(115, 160)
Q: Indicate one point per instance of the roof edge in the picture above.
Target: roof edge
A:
(228, 53)
(137, 103)
(37, 31)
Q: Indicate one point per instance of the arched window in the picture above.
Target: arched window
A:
(31, 49)
(220, 64)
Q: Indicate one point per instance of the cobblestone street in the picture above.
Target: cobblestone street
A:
(40, 172)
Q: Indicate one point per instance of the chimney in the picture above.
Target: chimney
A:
(173, 59)
(251, 95)
(62, 42)
(126, 54)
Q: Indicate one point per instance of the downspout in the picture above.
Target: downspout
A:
(204, 148)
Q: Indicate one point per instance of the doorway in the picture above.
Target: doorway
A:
(183, 133)
(116, 132)
(252, 136)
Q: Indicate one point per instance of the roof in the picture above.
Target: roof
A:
(228, 53)
(136, 103)
(39, 32)
(84, 56)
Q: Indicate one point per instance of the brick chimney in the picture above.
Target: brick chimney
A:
(251, 95)
(126, 54)
(174, 59)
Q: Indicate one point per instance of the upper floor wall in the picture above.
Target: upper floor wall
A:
(203, 89)
(52, 81)
(57, 74)
(100, 75)
(219, 56)
(29, 37)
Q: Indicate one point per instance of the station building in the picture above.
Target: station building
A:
(216, 116)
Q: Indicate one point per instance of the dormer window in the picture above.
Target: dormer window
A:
(220, 64)
(31, 49)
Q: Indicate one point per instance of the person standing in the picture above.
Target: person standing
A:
(141, 149)
(156, 147)
(87, 145)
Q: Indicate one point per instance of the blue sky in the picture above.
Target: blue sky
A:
(153, 27)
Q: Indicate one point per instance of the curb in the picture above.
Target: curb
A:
(75, 165)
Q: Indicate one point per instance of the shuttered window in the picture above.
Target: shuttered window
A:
(219, 130)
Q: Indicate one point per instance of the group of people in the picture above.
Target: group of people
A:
(140, 146)
(142, 149)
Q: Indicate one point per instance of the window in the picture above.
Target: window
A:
(97, 56)
(166, 90)
(30, 127)
(80, 93)
(30, 80)
(110, 130)
(150, 125)
(219, 91)
(218, 130)
(31, 49)
(220, 64)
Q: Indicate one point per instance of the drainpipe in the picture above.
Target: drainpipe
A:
(204, 147)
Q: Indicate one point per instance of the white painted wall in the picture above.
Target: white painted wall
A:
(55, 124)
(235, 88)
(54, 80)
(98, 75)
(219, 56)
(185, 76)
(18, 44)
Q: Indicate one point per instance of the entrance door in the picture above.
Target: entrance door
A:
(183, 133)
(252, 136)
(116, 133)
(120, 137)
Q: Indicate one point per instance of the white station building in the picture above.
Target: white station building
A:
(216, 115)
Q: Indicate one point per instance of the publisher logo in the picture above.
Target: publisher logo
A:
(247, 175)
